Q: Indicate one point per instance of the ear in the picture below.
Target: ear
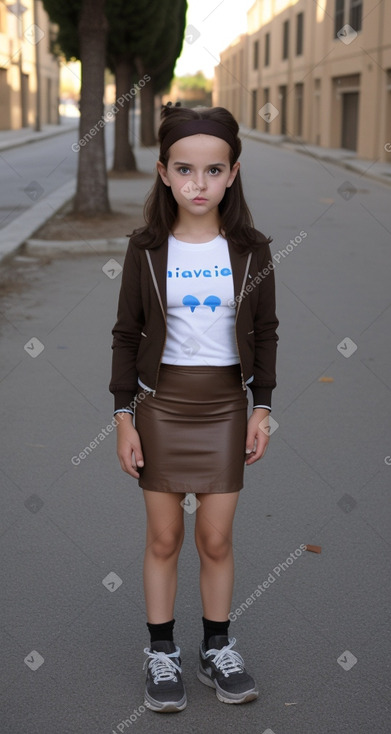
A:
(233, 173)
(162, 171)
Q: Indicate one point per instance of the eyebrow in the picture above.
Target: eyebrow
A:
(211, 165)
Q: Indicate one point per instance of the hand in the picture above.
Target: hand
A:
(128, 446)
(257, 438)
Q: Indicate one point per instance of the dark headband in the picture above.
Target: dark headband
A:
(195, 127)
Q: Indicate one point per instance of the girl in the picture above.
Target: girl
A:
(196, 324)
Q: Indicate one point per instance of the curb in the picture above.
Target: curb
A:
(114, 245)
(17, 232)
(37, 137)
(348, 163)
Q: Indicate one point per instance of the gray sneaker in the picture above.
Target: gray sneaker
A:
(223, 669)
(164, 690)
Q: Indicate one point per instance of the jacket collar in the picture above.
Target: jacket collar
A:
(159, 256)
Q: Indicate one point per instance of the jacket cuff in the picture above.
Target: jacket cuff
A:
(261, 395)
(123, 400)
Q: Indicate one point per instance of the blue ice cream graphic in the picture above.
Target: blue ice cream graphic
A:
(192, 301)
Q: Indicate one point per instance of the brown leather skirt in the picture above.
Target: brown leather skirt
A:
(193, 432)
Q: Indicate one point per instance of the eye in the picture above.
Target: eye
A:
(183, 170)
(214, 171)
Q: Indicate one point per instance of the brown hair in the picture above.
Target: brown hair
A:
(160, 210)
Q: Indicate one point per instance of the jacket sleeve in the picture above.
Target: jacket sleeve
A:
(127, 332)
(265, 334)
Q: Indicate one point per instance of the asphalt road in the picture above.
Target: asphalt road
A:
(72, 529)
(30, 172)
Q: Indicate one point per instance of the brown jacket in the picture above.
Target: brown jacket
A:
(140, 330)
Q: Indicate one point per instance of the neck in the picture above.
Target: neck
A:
(197, 227)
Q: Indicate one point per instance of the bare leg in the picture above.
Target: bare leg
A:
(165, 532)
(213, 536)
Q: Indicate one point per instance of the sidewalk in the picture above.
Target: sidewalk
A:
(13, 235)
(122, 193)
(378, 170)
(15, 138)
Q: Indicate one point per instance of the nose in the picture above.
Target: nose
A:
(200, 180)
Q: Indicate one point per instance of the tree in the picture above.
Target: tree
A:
(91, 194)
(194, 81)
(144, 39)
(192, 90)
(82, 34)
(133, 26)
(66, 16)
(158, 60)
(124, 158)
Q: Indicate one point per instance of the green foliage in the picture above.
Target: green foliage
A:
(160, 60)
(150, 30)
(66, 15)
(132, 27)
(195, 81)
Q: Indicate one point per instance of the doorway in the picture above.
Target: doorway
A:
(349, 120)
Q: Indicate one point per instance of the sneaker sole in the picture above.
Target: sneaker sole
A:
(165, 708)
(222, 695)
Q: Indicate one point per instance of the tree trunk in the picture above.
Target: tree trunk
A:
(124, 159)
(91, 195)
(147, 124)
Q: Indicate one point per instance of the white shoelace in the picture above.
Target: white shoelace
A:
(162, 667)
(227, 660)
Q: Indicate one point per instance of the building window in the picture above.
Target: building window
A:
(254, 109)
(3, 19)
(282, 94)
(3, 82)
(266, 99)
(267, 49)
(317, 116)
(256, 55)
(299, 109)
(285, 39)
(355, 15)
(339, 16)
(299, 33)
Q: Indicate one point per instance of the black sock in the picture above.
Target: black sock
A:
(161, 631)
(214, 628)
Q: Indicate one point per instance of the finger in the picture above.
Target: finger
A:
(262, 442)
(136, 452)
(250, 458)
(134, 465)
(250, 442)
(127, 467)
(132, 471)
(138, 455)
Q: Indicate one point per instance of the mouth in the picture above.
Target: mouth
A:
(199, 199)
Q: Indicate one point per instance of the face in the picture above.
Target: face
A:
(198, 172)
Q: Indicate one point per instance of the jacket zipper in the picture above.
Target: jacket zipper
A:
(244, 386)
(164, 315)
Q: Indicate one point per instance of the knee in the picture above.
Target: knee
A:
(213, 546)
(167, 544)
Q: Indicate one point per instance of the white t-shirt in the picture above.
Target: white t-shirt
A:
(200, 323)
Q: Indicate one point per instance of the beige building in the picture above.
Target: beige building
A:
(317, 72)
(29, 73)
